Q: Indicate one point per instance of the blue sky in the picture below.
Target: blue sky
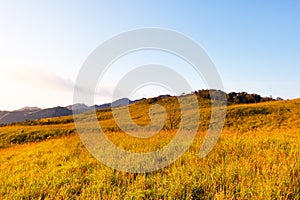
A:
(255, 45)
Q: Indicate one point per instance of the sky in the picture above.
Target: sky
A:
(255, 45)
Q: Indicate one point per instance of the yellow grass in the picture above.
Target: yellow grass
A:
(256, 157)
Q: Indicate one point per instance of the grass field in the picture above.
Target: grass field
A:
(256, 157)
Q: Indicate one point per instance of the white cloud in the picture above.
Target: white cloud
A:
(40, 87)
(42, 78)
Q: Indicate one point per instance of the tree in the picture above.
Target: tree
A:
(174, 117)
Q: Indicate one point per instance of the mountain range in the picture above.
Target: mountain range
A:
(34, 113)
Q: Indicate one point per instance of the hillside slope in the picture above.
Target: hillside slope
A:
(256, 157)
(268, 116)
(254, 165)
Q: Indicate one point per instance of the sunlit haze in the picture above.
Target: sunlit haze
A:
(255, 45)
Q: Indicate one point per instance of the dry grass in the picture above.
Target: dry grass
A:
(257, 157)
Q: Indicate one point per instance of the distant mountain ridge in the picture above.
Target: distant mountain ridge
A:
(34, 113)
(28, 114)
(27, 108)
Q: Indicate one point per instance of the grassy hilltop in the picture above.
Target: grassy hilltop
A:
(256, 157)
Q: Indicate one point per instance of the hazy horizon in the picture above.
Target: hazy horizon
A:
(132, 99)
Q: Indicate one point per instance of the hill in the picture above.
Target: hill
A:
(240, 118)
(256, 157)
(34, 113)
